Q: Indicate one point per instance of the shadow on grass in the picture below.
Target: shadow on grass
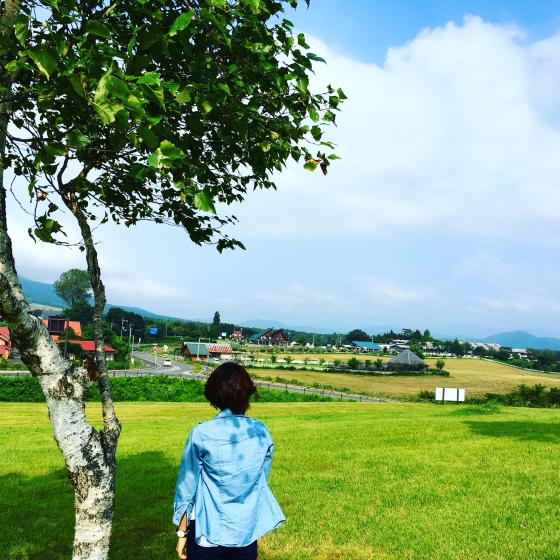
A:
(37, 512)
(526, 431)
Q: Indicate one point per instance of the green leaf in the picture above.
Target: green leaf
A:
(313, 114)
(316, 58)
(183, 96)
(107, 111)
(341, 94)
(94, 27)
(311, 164)
(21, 26)
(207, 106)
(181, 23)
(149, 138)
(217, 3)
(150, 79)
(44, 58)
(166, 155)
(301, 41)
(255, 5)
(203, 201)
(77, 139)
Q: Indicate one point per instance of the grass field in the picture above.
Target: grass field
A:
(312, 356)
(356, 482)
(476, 376)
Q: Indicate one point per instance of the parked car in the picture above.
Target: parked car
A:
(167, 362)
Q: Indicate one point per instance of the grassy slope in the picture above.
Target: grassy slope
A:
(476, 376)
(356, 482)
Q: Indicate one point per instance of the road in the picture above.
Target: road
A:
(182, 370)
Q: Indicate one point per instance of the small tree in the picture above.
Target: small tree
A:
(337, 362)
(132, 111)
(73, 287)
(288, 359)
(440, 364)
(353, 363)
(378, 364)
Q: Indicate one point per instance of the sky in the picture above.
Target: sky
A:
(443, 212)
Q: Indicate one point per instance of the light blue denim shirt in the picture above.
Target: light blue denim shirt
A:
(224, 471)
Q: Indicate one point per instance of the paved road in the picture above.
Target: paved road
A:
(180, 369)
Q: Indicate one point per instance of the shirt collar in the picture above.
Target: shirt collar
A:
(225, 413)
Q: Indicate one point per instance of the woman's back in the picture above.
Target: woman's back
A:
(227, 461)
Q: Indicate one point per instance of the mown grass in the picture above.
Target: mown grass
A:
(356, 482)
(476, 376)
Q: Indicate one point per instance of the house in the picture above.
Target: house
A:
(5, 342)
(406, 360)
(520, 353)
(237, 335)
(366, 346)
(202, 351)
(57, 326)
(221, 351)
(270, 337)
(88, 346)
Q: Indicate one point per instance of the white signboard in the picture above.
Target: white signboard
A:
(450, 394)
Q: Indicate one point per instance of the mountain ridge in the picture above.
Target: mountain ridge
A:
(44, 294)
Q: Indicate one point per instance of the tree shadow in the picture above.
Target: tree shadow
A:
(37, 512)
(547, 432)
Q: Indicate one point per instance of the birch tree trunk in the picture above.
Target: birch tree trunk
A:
(89, 455)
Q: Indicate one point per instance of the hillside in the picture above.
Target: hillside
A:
(523, 339)
(43, 294)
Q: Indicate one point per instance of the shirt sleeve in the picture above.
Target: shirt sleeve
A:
(187, 478)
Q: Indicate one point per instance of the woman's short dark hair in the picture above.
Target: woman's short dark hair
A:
(230, 386)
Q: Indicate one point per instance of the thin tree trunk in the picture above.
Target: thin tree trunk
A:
(89, 455)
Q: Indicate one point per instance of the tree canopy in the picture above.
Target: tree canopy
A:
(357, 334)
(73, 286)
(159, 110)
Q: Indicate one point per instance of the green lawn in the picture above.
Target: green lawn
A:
(392, 481)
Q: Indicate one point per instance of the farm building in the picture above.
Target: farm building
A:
(57, 326)
(406, 360)
(88, 346)
(237, 335)
(5, 343)
(202, 351)
(366, 346)
(270, 336)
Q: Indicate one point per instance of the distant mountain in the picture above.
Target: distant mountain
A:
(40, 292)
(44, 294)
(271, 324)
(522, 339)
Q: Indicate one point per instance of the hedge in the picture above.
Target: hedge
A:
(145, 388)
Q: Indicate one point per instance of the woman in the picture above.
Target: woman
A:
(222, 500)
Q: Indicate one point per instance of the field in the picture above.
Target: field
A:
(356, 482)
(316, 356)
(476, 376)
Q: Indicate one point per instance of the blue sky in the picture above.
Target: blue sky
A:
(443, 213)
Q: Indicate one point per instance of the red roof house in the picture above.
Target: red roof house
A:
(57, 326)
(5, 342)
(89, 347)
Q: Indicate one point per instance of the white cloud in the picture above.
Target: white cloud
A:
(482, 263)
(386, 292)
(298, 296)
(519, 303)
(454, 134)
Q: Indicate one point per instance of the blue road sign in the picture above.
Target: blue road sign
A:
(153, 330)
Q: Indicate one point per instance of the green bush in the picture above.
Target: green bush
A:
(145, 388)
